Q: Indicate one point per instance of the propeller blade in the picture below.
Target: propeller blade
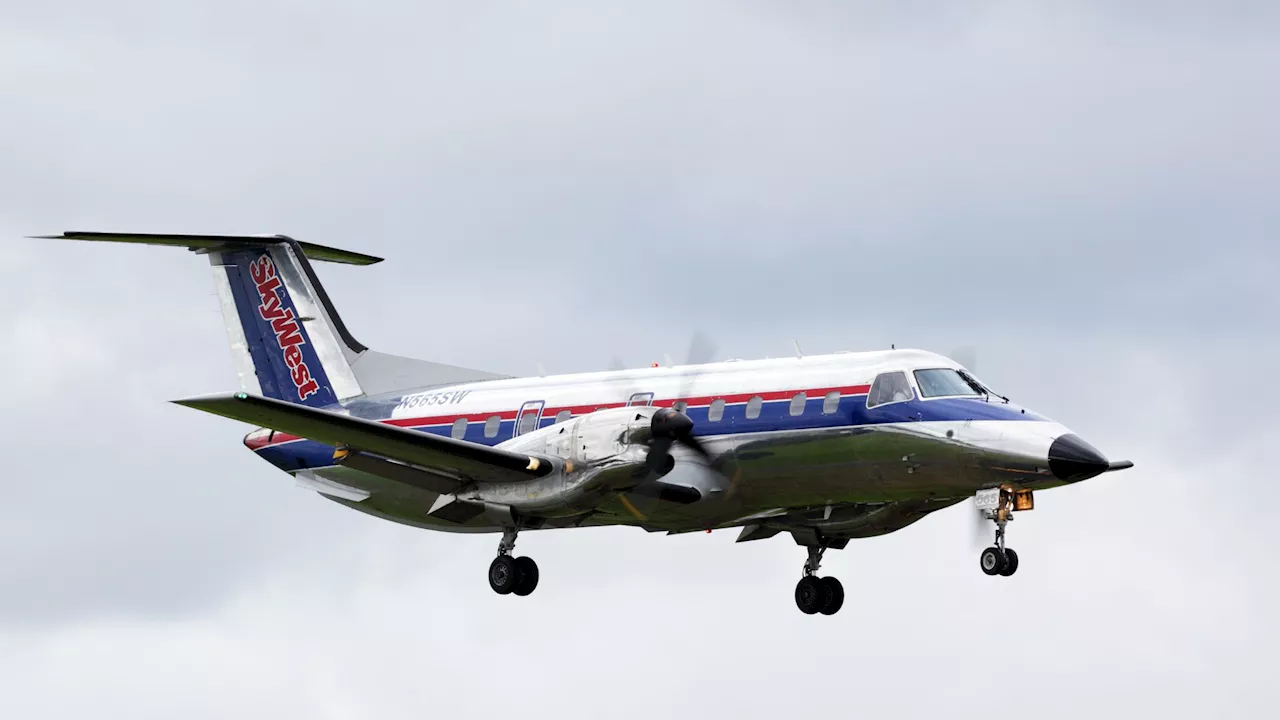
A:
(693, 444)
(658, 461)
(967, 356)
(671, 425)
(702, 349)
(666, 428)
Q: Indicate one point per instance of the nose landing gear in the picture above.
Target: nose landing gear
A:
(818, 595)
(998, 559)
(998, 505)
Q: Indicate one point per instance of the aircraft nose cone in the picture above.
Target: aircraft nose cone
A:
(1073, 459)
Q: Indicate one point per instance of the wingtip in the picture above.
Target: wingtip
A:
(204, 400)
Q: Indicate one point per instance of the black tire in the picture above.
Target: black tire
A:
(504, 574)
(1010, 563)
(834, 596)
(992, 561)
(810, 595)
(528, 576)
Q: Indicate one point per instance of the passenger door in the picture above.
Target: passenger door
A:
(528, 417)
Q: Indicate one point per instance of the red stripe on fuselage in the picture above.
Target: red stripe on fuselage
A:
(280, 438)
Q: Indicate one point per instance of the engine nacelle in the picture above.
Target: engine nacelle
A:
(595, 454)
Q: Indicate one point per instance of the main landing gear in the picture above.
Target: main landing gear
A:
(815, 594)
(998, 505)
(512, 575)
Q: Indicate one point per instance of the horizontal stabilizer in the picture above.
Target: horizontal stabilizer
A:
(456, 458)
(211, 243)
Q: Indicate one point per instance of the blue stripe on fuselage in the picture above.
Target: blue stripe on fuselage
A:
(775, 416)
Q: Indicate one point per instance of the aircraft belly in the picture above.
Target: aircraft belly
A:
(880, 463)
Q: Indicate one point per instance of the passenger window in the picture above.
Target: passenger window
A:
(459, 430)
(491, 426)
(716, 412)
(528, 422)
(753, 407)
(889, 388)
(797, 404)
(831, 403)
(563, 415)
(680, 407)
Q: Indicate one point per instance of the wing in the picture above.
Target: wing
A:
(449, 461)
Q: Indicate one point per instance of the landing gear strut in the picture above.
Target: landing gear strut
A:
(815, 594)
(512, 575)
(998, 505)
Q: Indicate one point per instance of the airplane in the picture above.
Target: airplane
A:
(825, 448)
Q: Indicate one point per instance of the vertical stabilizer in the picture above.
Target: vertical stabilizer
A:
(287, 338)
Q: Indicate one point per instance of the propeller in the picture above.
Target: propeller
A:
(702, 350)
(667, 428)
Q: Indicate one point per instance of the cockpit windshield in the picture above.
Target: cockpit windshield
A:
(945, 382)
(890, 387)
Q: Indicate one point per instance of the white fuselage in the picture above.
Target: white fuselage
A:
(805, 429)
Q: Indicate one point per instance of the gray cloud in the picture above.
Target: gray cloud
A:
(1084, 192)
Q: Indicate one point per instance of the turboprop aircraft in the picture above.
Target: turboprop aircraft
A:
(825, 448)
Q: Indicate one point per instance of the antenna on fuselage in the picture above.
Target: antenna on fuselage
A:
(799, 353)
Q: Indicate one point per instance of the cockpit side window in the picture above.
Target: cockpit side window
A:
(944, 382)
(888, 388)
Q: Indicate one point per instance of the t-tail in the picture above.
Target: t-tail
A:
(288, 340)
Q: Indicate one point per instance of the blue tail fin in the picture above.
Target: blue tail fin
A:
(285, 357)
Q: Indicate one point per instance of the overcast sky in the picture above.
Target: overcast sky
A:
(1086, 193)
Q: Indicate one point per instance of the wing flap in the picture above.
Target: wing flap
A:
(209, 243)
(435, 482)
(442, 455)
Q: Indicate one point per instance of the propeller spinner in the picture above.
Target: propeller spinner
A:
(667, 428)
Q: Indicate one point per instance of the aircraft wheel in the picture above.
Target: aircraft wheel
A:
(810, 595)
(833, 597)
(992, 561)
(504, 574)
(1010, 563)
(528, 576)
